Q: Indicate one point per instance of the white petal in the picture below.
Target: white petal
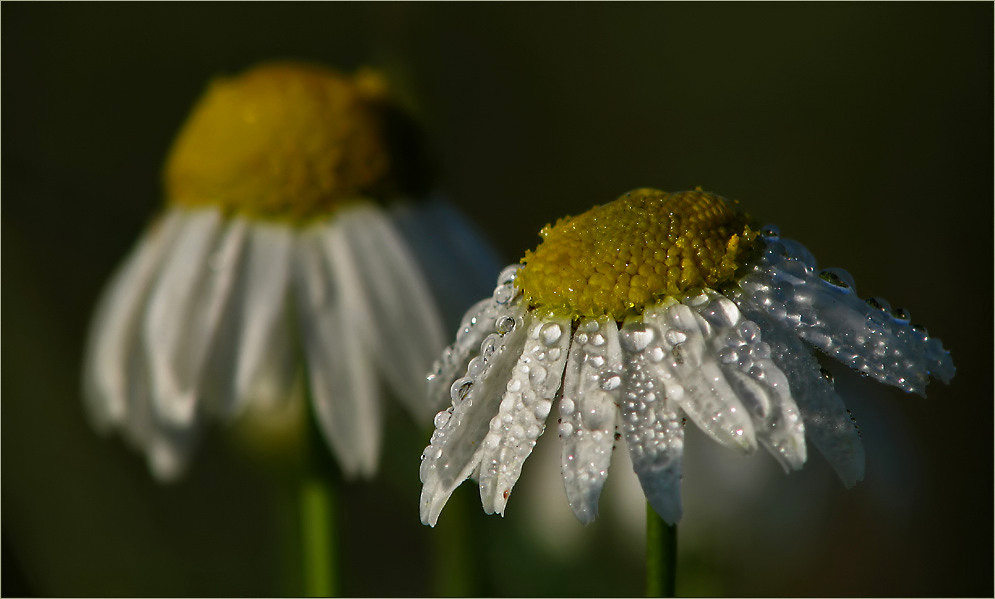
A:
(588, 414)
(456, 446)
(827, 423)
(827, 313)
(185, 308)
(760, 384)
(334, 325)
(524, 407)
(674, 339)
(652, 425)
(486, 317)
(459, 265)
(114, 332)
(254, 360)
(408, 328)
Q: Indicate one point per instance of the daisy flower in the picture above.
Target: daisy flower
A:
(646, 313)
(271, 259)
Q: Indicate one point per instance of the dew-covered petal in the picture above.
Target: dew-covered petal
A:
(675, 340)
(525, 404)
(185, 309)
(652, 425)
(745, 360)
(487, 317)
(827, 422)
(407, 325)
(455, 449)
(823, 309)
(254, 360)
(334, 321)
(588, 414)
(114, 337)
(458, 263)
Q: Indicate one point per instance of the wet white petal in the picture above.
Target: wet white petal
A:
(524, 407)
(113, 339)
(673, 338)
(651, 423)
(588, 414)
(827, 423)
(456, 445)
(824, 310)
(333, 324)
(486, 317)
(408, 330)
(745, 360)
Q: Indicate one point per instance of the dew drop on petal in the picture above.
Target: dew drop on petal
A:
(550, 333)
(460, 389)
(442, 418)
(537, 374)
(611, 382)
(505, 324)
(674, 336)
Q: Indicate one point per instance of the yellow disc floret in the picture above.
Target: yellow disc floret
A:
(647, 244)
(283, 140)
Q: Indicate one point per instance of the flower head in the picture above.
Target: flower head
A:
(640, 315)
(272, 259)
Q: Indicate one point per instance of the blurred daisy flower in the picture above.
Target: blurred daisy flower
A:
(640, 315)
(271, 259)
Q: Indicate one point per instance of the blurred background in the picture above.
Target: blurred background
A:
(863, 130)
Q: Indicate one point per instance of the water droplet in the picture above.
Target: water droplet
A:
(442, 418)
(611, 382)
(503, 295)
(596, 361)
(550, 333)
(507, 276)
(542, 410)
(537, 374)
(749, 330)
(598, 339)
(476, 367)
(728, 356)
(770, 231)
(655, 354)
(504, 324)
(901, 314)
(580, 338)
(637, 337)
(489, 346)
(839, 278)
(826, 375)
(566, 429)
(675, 336)
(599, 417)
(878, 303)
(567, 406)
(460, 389)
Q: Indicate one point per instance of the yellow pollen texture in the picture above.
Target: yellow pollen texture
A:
(615, 258)
(282, 140)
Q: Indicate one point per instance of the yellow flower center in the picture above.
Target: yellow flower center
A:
(645, 245)
(283, 140)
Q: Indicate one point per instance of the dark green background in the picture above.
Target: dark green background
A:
(864, 130)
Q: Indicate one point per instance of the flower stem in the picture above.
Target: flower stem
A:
(661, 556)
(318, 537)
(319, 551)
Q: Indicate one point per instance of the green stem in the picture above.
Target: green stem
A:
(454, 573)
(661, 556)
(318, 536)
(318, 518)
